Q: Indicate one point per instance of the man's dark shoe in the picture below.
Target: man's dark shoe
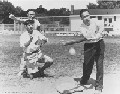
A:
(25, 74)
(83, 82)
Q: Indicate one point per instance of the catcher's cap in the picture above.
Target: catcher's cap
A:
(29, 22)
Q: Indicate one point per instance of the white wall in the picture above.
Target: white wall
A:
(75, 23)
(116, 24)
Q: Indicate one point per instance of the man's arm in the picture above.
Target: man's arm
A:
(75, 41)
(38, 25)
(16, 19)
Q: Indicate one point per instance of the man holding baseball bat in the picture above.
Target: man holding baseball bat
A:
(94, 48)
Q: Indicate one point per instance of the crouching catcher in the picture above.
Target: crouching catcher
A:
(33, 62)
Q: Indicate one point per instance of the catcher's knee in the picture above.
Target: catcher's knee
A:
(50, 63)
(48, 59)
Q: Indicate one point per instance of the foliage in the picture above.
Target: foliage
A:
(41, 12)
(60, 12)
(103, 4)
(91, 6)
(64, 21)
(7, 8)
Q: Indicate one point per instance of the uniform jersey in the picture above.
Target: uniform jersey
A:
(25, 37)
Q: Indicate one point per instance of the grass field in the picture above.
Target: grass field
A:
(64, 64)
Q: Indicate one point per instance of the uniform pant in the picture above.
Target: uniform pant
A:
(93, 52)
(42, 63)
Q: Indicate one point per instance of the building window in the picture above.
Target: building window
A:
(105, 21)
(99, 17)
(92, 16)
(114, 18)
(110, 20)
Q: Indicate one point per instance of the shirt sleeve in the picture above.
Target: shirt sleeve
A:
(38, 23)
(22, 41)
(84, 32)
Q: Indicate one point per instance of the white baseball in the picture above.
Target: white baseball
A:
(72, 51)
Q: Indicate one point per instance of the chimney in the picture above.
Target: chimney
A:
(40, 6)
(72, 9)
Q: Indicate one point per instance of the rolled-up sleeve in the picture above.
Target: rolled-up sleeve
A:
(22, 41)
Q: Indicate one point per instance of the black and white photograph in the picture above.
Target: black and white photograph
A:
(59, 46)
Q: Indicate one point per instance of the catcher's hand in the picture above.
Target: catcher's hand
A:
(40, 42)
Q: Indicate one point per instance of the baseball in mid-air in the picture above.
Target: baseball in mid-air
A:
(72, 51)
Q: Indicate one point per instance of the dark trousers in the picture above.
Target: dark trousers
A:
(93, 52)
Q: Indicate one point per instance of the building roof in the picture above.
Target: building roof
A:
(99, 11)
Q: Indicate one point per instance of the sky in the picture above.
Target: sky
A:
(51, 4)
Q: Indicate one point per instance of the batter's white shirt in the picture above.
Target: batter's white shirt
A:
(93, 32)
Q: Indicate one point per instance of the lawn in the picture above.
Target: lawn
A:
(64, 64)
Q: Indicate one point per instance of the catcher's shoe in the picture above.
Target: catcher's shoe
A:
(25, 75)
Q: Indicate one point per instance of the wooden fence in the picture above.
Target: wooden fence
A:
(20, 28)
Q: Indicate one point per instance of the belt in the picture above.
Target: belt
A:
(32, 52)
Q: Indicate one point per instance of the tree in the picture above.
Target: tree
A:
(41, 11)
(60, 12)
(65, 21)
(104, 4)
(92, 6)
(6, 8)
